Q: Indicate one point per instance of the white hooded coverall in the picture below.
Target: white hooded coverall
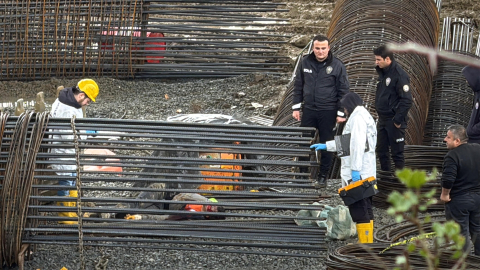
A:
(362, 128)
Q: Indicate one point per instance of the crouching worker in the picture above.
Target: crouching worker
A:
(360, 163)
(180, 197)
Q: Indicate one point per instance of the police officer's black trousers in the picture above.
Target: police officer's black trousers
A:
(324, 122)
(464, 210)
(390, 139)
(361, 211)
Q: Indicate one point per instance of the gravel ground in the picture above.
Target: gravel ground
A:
(156, 100)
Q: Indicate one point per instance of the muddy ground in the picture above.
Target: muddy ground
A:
(156, 100)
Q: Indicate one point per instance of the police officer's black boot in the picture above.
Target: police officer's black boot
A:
(321, 180)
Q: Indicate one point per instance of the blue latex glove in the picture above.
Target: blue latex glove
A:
(91, 131)
(319, 146)
(356, 176)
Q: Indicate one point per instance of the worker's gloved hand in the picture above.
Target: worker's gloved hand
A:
(319, 146)
(356, 176)
(91, 131)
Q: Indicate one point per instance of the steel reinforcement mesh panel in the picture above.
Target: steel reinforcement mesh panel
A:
(137, 39)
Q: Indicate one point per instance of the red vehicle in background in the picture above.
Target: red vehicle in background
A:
(109, 46)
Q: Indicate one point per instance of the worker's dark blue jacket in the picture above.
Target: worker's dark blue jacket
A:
(393, 98)
(320, 85)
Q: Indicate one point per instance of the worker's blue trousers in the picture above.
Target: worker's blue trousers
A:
(66, 183)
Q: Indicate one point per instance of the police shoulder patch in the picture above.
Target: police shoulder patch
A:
(406, 88)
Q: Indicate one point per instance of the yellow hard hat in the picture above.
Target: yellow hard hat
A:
(89, 87)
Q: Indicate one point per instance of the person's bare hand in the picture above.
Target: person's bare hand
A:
(445, 198)
(397, 126)
(341, 119)
(296, 115)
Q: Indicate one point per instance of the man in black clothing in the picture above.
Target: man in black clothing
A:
(472, 74)
(320, 83)
(393, 99)
(461, 184)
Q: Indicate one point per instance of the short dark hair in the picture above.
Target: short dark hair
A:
(383, 52)
(76, 91)
(459, 132)
(321, 38)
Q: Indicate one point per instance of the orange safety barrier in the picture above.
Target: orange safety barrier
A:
(211, 174)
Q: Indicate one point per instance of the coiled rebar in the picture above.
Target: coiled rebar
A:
(357, 27)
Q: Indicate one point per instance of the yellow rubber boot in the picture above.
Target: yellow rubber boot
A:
(73, 193)
(370, 239)
(364, 232)
(370, 236)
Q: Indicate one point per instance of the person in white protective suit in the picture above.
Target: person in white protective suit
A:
(69, 103)
(361, 163)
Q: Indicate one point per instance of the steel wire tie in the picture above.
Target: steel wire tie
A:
(79, 194)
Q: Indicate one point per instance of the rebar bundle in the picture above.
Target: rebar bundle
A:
(368, 257)
(138, 39)
(457, 34)
(452, 97)
(451, 102)
(158, 159)
(404, 230)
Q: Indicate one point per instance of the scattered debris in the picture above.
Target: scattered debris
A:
(257, 105)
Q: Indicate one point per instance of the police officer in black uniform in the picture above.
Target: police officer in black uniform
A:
(320, 83)
(393, 99)
(472, 74)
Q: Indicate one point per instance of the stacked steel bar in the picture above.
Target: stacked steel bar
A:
(143, 38)
(477, 51)
(371, 257)
(178, 156)
(372, 23)
(439, 5)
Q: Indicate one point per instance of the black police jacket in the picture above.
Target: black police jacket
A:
(393, 98)
(473, 129)
(320, 85)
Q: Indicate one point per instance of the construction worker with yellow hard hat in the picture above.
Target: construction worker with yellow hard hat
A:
(69, 103)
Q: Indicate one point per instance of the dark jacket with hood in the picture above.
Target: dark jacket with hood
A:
(393, 98)
(67, 97)
(350, 101)
(320, 85)
(472, 75)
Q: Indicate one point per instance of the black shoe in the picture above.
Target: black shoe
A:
(321, 181)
